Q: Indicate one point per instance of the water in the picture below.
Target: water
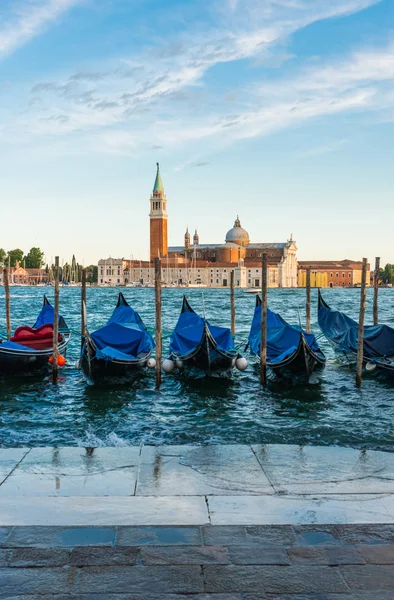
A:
(331, 411)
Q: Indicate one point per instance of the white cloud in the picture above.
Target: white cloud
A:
(161, 94)
(28, 19)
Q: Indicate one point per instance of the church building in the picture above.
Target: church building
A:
(199, 264)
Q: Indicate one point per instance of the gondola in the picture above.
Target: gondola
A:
(199, 348)
(291, 352)
(30, 348)
(118, 352)
(342, 332)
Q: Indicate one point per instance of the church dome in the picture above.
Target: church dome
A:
(238, 235)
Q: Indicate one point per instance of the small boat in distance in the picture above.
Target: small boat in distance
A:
(119, 351)
(30, 348)
(291, 352)
(252, 291)
(201, 348)
(342, 332)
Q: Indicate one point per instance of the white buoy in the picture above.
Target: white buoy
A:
(168, 365)
(241, 363)
(151, 363)
(233, 362)
(179, 363)
(370, 366)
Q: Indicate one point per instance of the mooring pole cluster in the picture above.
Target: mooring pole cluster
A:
(360, 345)
(55, 366)
(232, 301)
(83, 307)
(7, 300)
(263, 345)
(308, 300)
(158, 321)
(376, 291)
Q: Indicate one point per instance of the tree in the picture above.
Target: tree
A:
(34, 259)
(92, 273)
(3, 255)
(14, 256)
(388, 273)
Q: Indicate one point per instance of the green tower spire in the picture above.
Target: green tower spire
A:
(158, 187)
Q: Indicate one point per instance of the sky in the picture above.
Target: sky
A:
(281, 111)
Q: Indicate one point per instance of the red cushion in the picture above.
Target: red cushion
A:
(38, 339)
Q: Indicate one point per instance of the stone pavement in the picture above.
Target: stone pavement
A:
(231, 522)
(301, 562)
(195, 485)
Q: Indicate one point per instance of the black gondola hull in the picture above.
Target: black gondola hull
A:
(98, 371)
(299, 365)
(207, 359)
(14, 362)
(373, 362)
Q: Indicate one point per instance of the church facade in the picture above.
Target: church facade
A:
(200, 264)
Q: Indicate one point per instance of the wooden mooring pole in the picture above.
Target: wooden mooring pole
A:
(83, 308)
(308, 300)
(158, 321)
(232, 298)
(263, 345)
(55, 367)
(376, 291)
(7, 301)
(360, 346)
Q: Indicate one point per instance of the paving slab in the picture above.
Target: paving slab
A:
(9, 459)
(37, 581)
(321, 470)
(74, 472)
(159, 536)
(273, 579)
(60, 537)
(201, 470)
(149, 579)
(245, 510)
(115, 510)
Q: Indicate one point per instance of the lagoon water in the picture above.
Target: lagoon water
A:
(328, 411)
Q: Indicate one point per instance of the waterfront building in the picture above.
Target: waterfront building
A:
(330, 273)
(25, 276)
(111, 271)
(199, 264)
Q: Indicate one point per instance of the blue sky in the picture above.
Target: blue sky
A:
(279, 110)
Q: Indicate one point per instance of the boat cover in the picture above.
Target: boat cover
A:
(343, 331)
(124, 337)
(282, 339)
(46, 317)
(189, 332)
(15, 346)
(40, 336)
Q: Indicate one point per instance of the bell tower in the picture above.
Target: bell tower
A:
(158, 219)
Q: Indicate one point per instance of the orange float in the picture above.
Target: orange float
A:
(61, 361)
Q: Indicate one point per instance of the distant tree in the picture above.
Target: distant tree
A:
(388, 273)
(14, 256)
(3, 255)
(74, 273)
(92, 273)
(66, 272)
(34, 259)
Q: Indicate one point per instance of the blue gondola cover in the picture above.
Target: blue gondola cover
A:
(343, 332)
(282, 339)
(46, 317)
(124, 337)
(189, 332)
